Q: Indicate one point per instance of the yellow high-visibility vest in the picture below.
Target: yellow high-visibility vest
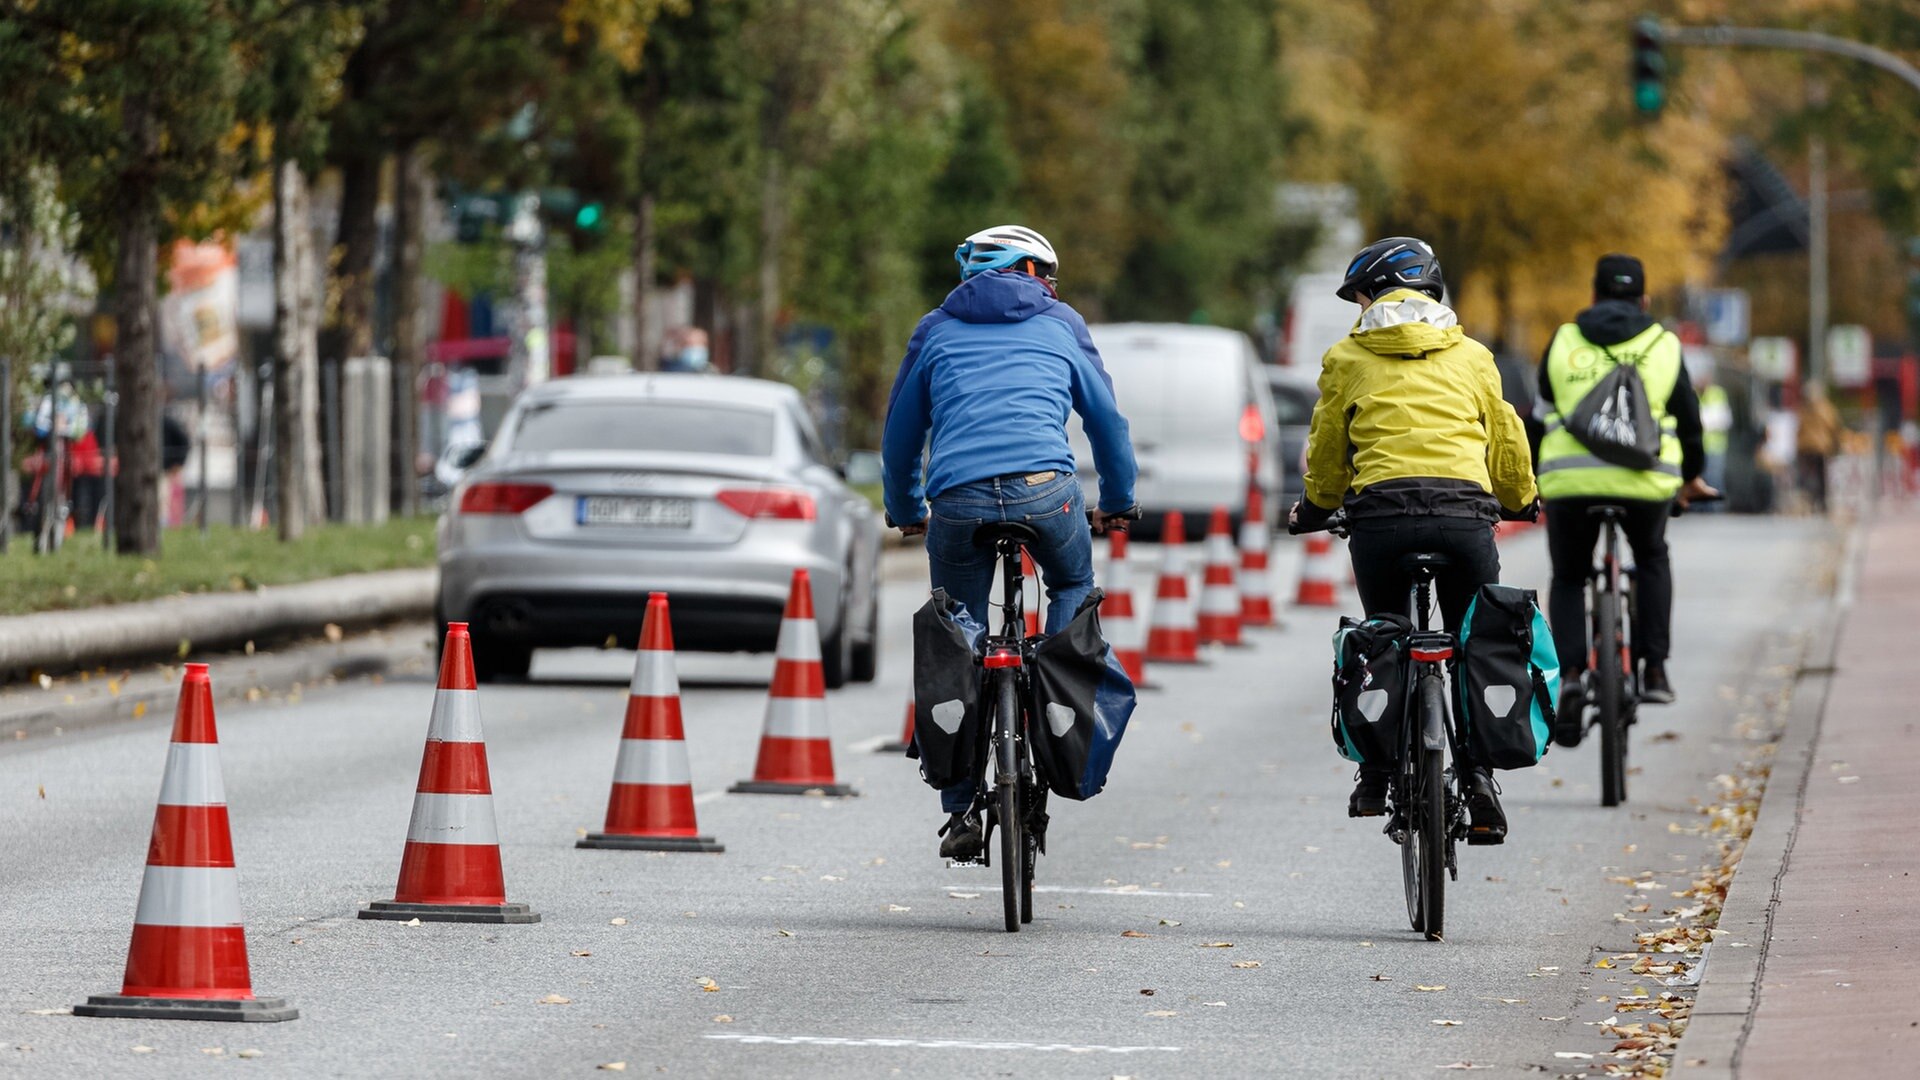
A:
(1574, 365)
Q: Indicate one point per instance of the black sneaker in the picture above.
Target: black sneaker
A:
(1369, 797)
(1570, 717)
(1488, 823)
(1654, 687)
(962, 837)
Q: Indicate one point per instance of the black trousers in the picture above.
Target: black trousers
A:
(1378, 545)
(1571, 536)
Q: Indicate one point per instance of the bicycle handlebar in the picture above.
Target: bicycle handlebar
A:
(1675, 509)
(1336, 524)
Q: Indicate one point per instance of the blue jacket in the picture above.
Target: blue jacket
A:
(993, 372)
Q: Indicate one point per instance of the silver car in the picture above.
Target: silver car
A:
(711, 489)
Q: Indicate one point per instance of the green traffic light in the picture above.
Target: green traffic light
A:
(1649, 97)
(588, 216)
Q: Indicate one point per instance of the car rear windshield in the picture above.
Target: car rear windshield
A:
(690, 427)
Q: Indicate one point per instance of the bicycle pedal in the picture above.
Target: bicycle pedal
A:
(967, 864)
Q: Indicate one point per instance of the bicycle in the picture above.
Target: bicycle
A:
(1016, 805)
(1612, 612)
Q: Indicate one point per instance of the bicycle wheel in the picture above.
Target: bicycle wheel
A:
(1610, 693)
(1432, 833)
(1007, 790)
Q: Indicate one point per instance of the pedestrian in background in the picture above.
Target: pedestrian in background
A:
(1816, 440)
(1716, 421)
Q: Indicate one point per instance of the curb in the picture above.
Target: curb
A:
(1722, 1013)
(236, 677)
(56, 641)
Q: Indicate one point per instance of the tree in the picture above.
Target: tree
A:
(131, 102)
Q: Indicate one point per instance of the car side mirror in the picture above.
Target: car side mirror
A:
(862, 468)
(468, 455)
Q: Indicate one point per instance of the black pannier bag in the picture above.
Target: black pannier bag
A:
(946, 691)
(1082, 700)
(1508, 677)
(1614, 420)
(1370, 687)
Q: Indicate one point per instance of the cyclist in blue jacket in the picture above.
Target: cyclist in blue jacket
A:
(992, 373)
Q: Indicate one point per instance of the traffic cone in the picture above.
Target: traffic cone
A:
(1117, 618)
(1317, 570)
(188, 957)
(795, 756)
(906, 735)
(1030, 593)
(1172, 637)
(651, 808)
(450, 870)
(1219, 592)
(1256, 590)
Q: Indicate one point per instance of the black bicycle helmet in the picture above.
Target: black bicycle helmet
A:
(1398, 262)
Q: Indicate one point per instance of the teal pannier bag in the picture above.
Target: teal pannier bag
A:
(1508, 678)
(1370, 687)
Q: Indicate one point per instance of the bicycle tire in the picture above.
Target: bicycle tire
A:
(1610, 697)
(1007, 792)
(1433, 815)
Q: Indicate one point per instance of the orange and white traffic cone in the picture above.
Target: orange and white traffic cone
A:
(795, 756)
(906, 735)
(1318, 567)
(450, 870)
(1256, 589)
(1172, 637)
(1030, 593)
(188, 957)
(651, 808)
(1117, 616)
(1219, 592)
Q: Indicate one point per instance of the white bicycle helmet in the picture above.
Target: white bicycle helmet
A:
(1004, 246)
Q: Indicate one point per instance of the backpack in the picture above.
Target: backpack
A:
(1508, 678)
(1370, 687)
(1082, 700)
(1614, 421)
(946, 691)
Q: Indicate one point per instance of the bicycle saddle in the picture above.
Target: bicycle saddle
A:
(995, 531)
(1607, 511)
(1424, 559)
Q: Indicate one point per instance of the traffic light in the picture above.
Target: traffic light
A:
(1649, 68)
(589, 217)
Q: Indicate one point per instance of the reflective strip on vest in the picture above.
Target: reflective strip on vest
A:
(1588, 461)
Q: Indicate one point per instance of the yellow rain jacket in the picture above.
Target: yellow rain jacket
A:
(1407, 396)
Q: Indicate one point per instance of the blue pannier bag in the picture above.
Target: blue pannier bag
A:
(1082, 700)
(946, 691)
(1370, 687)
(1508, 678)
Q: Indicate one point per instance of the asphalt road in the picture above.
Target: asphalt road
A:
(837, 942)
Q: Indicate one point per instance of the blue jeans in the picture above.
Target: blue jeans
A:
(1056, 509)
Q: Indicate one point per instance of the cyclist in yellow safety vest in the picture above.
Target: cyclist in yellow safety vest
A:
(1616, 330)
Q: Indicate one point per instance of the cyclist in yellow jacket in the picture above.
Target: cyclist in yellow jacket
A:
(1412, 436)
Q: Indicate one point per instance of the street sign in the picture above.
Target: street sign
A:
(1849, 356)
(1771, 358)
(1728, 314)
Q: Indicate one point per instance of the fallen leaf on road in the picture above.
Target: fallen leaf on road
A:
(555, 999)
(1553, 1019)
(1245, 964)
(1169, 922)
(50, 1012)
(1214, 1004)
(1848, 779)
(964, 895)
(1381, 978)
(897, 908)
(1366, 944)
(1218, 945)
(1511, 1001)
(411, 922)
(708, 985)
(143, 1049)
(43, 791)
(213, 1051)
(332, 630)
(723, 1018)
(613, 1066)
(1430, 989)
(249, 1053)
(783, 933)
(1134, 933)
(1572, 1055)
(1463, 1065)
(581, 952)
(139, 709)
(1163, 1013)
(616, 922)
(1446, 1023)
(1603, 962)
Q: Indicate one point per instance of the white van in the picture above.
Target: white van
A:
(1198, 403)
(1316, 318)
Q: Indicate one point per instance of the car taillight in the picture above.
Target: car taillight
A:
(495, 498)
(783, 503)
(1253, 426)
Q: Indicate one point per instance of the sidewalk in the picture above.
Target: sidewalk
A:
(1833, 988)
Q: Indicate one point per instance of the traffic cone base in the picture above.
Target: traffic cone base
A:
(187, 959)
(651, 806)
(395, 911)
(126, 1007)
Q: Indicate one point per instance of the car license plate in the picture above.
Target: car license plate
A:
(644, 513)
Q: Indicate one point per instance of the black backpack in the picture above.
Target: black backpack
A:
(1614, 421)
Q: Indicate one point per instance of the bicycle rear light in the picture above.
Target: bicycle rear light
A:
(1002, 658)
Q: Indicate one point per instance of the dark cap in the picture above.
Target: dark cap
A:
(1619, 277)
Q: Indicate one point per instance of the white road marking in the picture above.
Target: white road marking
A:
(868, 746)
(938, 1044)
(1109, 890)
(706, 797)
